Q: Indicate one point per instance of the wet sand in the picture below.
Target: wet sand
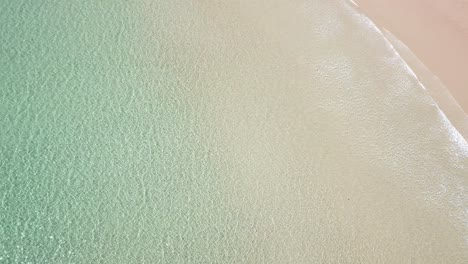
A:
(250, 131)
(436, 31)
(334, 151)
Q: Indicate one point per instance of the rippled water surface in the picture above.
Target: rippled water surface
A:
(219, 132)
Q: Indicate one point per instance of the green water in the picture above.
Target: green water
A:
(247, 131)
(100, 154)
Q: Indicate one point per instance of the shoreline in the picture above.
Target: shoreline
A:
(302, 144)
(441, 72)
(445, 101)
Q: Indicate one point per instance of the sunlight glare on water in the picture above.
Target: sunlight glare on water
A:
(247, 131)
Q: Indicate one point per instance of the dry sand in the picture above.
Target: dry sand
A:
(436, 31)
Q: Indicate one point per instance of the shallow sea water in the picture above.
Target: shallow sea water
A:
(219, 132)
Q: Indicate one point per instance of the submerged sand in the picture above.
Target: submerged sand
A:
(249, 131)
(333, 149)
(435, 30)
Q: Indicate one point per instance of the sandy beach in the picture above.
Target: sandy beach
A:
(436, 31)
(249, 131)
(329, 137)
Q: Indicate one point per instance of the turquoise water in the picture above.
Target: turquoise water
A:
(101, 155)
(227, 132)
